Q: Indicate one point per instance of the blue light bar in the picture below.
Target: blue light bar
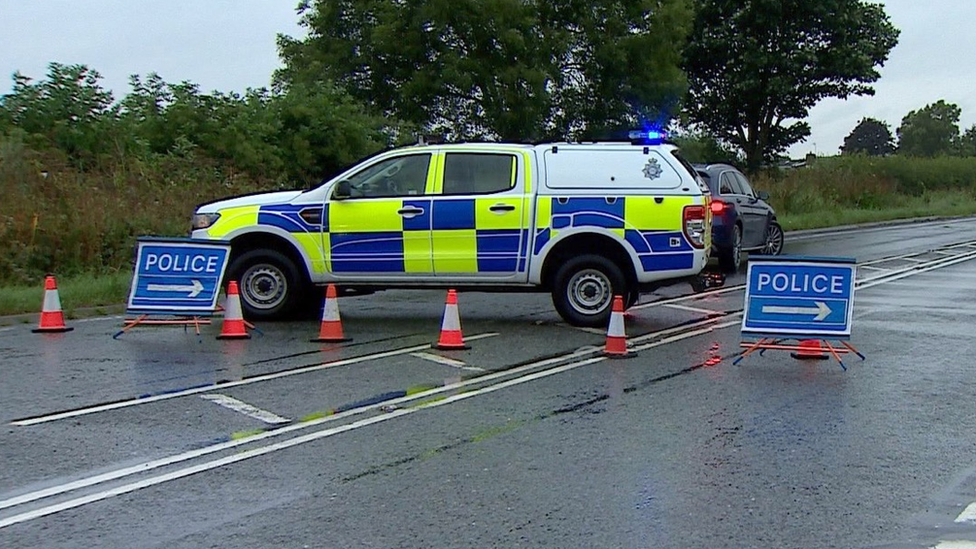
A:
(647, 136)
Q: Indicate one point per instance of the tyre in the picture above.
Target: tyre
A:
(729, 259)
(774, 239)
(583, 290)
(632, 298)
(271, 286)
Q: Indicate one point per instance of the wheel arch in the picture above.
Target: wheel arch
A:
(587, 243)
(260, 240)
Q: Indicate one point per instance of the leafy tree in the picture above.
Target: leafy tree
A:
(756, 68)
(930, 131)
(68, 110)
(699, 148)
(967, 142)
(871, 137)
(509, 69)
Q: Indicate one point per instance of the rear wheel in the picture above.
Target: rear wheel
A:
(270, 284)
(774, 239)
(583, 290)
(729, 259)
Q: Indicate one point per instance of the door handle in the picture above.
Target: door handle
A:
(410, 211)
(502, 208)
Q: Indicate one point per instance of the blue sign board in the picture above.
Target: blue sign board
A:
(177, 276)
(800, 296)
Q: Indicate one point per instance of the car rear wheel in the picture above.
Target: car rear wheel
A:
(729, 259)
(774, 240)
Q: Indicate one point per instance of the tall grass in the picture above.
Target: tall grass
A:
(853, 189)
(55, 218)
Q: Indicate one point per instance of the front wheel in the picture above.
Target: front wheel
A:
(583, 290)
(269, 282)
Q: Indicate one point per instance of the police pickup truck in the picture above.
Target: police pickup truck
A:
(583, 221)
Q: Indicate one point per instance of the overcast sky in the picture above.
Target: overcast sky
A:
(229, 45)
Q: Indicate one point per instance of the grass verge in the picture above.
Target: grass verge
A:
(81, 295)
(941, 204)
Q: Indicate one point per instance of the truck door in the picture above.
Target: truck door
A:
(479, 226)
(381, 230)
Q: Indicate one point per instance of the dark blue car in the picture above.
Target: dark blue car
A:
(742, 221)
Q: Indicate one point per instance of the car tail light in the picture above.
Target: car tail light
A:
(694, 225)
(718, 207)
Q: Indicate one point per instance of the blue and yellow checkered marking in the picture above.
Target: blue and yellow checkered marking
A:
(651, 226)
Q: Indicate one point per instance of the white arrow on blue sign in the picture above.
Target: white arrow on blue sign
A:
(800, 296)
(177, 276)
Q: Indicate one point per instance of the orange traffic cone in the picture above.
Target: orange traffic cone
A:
(52, 319)
(331, 329)
(616, 334)
(233, 327)
(810, 349)
(451, 338)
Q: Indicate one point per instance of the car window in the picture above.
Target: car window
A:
(744, 185)
(478, 173)
(399, 176)
(727, 184)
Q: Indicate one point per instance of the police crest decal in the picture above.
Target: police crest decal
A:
(652, 170)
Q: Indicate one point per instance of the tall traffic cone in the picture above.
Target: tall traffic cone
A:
(451, 338)
(52, 319)
(810, 349)
(233, 327)
(616, 334)
(330, 330)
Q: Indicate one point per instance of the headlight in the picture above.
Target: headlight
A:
(203, 220)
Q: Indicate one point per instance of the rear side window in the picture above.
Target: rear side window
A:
(477, 173)
(727, 184)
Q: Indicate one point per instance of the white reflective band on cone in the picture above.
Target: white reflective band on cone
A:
(52, 302)
(616, 326)
(331, 310)
(452, 322)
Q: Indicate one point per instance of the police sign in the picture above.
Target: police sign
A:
(800, 296)
(177, 276)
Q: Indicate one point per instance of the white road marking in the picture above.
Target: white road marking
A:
(693, 309)
(247, 454)
(232, 403)
(956, 544)
(869, 267)
(968, 515)
(219, 386)
(163, 462)
(447, 361)
(596, 331)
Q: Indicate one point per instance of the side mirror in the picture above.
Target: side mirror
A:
(343, 190)
(763, 195)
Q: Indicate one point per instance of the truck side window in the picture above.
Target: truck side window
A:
(398, 176)
(477, 173)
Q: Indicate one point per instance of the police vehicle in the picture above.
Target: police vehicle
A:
(583, 221)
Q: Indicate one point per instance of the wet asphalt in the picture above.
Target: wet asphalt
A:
(528, 439)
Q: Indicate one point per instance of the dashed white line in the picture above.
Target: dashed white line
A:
(232, 403)
(956, 544)
(219, 386)
(968, 515)
(693, 309)
(255, 452)
(453, 363)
